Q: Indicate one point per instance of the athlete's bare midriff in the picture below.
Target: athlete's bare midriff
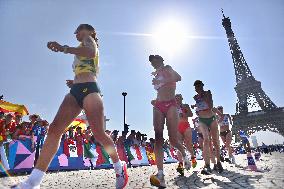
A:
(206, 113)
(183, 119)
(84, 77)
(224, 128)
(166, 93)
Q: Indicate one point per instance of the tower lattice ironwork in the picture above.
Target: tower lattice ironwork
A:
(250, 95)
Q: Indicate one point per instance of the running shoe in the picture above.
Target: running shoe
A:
(180, 169)
(219, 167)
(25, 185)
(187, 163)
(122, 178)
(158, 180)
(193, 162)
(206, 170)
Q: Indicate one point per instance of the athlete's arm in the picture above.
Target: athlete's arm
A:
(88, 49)
(69, 83)
(215, 110)
(153, 102)
(173, 75)
(208, 99)
(230, 119)
(193, 105)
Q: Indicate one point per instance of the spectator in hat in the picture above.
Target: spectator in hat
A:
(5, 126)
(33, 119)
(39, 130)
(130, 138)
(20, 132)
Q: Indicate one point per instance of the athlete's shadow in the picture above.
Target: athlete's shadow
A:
(226, 179)
(192, 181)
(238, 180)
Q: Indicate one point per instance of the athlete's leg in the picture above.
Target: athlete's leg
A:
(172, 123)
(188, 141)
(215, 138)
(247, 146)
(200, 142)
(212, 152)
(206, 153)
(94, 110)
(223, 139)
(180, 168)
(179, 155)
(67, 112)
(228, 143)
(159, 121)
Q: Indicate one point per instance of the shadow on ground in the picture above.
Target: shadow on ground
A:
(227, 179)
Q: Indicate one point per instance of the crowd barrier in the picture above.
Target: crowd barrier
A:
(17, 156)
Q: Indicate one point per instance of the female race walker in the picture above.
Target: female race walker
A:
(84, 94)
(184, 132)
(165, 107)
(208, 125)
(224, 121)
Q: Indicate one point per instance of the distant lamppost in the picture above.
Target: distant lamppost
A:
(124, 95)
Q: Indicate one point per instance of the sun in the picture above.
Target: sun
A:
(170, 36)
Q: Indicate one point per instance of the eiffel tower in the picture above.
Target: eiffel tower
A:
(250, 94)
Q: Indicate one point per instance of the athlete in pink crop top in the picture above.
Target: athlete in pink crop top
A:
(165, 108)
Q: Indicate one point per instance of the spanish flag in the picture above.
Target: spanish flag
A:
(78, 123)
(9, 107)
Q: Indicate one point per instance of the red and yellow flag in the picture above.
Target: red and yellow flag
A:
(78, 123)
(9, 107)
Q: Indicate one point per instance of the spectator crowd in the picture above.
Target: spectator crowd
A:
(12, 127)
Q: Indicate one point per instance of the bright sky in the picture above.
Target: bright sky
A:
(127, 30)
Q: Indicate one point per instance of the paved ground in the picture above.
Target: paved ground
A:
(272, 176)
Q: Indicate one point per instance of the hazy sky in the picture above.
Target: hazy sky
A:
(34, 76)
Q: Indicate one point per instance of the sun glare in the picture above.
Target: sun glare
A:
(170, 36)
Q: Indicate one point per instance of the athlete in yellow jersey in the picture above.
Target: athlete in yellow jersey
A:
(84, 94)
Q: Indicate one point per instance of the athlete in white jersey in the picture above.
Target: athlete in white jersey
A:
(224, 121)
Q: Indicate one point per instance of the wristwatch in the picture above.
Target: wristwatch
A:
(65, 49)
